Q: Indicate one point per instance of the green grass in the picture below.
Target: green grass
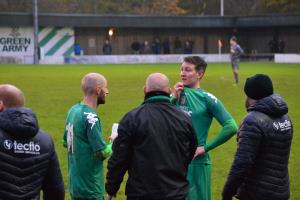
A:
(50, 90)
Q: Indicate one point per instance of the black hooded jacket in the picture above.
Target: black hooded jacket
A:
(260, 167)
(28, 161)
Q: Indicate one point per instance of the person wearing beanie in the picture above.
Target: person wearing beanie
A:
(258, 86)
(260, 167)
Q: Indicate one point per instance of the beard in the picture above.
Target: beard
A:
(101, 98)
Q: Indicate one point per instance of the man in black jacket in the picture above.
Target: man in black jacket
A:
(260, 167)
(156, 142)
(28, 161)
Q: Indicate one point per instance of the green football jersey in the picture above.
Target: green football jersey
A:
(83, 136)
(202, 107)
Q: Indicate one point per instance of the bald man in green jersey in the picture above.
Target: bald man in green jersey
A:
(202, 107)
(83, 138)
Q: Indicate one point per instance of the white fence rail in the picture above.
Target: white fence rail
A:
(134, 59)
(287, 58)
(131, 59)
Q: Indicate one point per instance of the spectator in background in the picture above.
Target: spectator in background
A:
(155, 144)
(28, 161)
(156, 46)
(273, 44)
(107, 48)
(281, 46)
(136, 47)
(188, 47)
(177, 46)
(260, 167)
(166, 46)
(77, 49)
(146, 49)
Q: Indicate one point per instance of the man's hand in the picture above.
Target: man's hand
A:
(178, 87)
(199, 152)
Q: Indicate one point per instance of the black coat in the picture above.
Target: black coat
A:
(156, 143)
(28, 162)
(260, 167)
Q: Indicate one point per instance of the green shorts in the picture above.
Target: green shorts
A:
(72, 198)
(199, 177)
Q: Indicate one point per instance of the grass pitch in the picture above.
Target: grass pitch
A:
(51, 90)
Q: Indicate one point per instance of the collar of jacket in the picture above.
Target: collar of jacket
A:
(157, 96)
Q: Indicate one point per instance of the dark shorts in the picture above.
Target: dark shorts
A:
(235, 64)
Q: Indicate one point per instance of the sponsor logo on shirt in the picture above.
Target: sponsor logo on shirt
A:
(186, 110)
(24, 148)
(8, 144)
(92, 118)
(70, 136)
(282, 126)
(212, 97)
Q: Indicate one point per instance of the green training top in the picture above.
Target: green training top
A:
(83, 137)
(202, 107)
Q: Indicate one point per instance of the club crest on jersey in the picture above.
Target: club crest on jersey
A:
(92, 118)
(183, 100)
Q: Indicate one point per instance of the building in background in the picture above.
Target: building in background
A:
(59, 32)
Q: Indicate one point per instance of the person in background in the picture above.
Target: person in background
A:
(28, 161)
(166, 46)
(273, 44)
(77, 49)
(202, 107)
(83, 138)
(107, 48)
(146, 48)
(156, 143)
(260, 167)
(156, 46)
(136, 47)
(281, 46)
(177, 45)
(235, 53)
(188, 47)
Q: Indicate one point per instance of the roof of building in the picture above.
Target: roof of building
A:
(81, 20)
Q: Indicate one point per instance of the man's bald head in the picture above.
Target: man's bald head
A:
(157, 82)
(90, 82)
(11, 96)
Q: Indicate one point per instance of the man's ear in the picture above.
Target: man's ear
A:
(200, 74)
(145, 91)
(98, 89)
(1, 106)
